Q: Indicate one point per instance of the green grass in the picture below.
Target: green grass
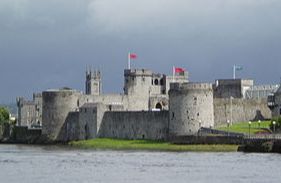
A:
(243, 127)
(117, 144)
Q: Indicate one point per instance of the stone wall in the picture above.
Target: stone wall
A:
(26, 112)
(21, 134)
(90, 118)
(30, 112)
(70, 129)
(160, 100)
(276, 108)
(107, 99)
(57, 104)
(135, 125)
(240, 110)
(191, 107)
(206, 140)
(226, 88)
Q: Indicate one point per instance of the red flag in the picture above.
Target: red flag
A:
(133, 56)
(179, 70)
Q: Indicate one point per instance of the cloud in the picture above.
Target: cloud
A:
(34, 15)
(177, 16)
(55, 39)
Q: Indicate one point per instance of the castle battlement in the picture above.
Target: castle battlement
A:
(137, 72)
(190, 86)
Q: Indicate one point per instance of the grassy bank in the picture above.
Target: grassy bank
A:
(117, 144)
(243, 127)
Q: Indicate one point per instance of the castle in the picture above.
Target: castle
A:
(153, 106)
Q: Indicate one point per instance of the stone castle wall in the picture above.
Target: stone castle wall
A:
(70, 129)
(57, 108)
(242, 110)
(276, 109)
(135, 125)
(90, 118)
(191, 107)
(30, 112)
(107, 99)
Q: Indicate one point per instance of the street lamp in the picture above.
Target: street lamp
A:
(259, 122)
(250, 128)
(231, 98)
(228, 122)
(274, 123)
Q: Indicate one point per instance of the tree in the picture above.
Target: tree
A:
(4, 115)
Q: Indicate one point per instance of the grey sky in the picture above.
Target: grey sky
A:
(47, 44)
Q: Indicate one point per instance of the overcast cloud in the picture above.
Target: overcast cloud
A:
(48, 44)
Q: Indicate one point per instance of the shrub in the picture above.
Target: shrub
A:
(277, 125)
(4, 115)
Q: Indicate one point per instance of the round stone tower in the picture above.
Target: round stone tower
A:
(191, 107)
(57, 104)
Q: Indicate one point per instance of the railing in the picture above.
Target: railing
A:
(203, 131)
(264, 136)
(208, 131)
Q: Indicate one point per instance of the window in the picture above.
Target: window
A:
(156, 81)
(162, 82)
(195, 101)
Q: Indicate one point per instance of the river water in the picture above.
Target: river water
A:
(51, 164)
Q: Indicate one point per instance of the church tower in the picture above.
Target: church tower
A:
(93, 82)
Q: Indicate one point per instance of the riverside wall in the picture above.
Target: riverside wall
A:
(240, 110)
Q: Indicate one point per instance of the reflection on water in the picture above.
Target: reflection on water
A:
(50, 164)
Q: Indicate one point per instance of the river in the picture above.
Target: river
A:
(53, 164)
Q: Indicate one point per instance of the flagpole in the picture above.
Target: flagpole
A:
(129, 60)
(173, 74)
(234, 70)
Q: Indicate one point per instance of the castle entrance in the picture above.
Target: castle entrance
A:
(158, 106)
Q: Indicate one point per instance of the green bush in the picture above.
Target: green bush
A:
(4, 115)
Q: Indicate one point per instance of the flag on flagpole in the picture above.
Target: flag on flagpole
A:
(131, 56)
(236, 68)
(179, 70)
